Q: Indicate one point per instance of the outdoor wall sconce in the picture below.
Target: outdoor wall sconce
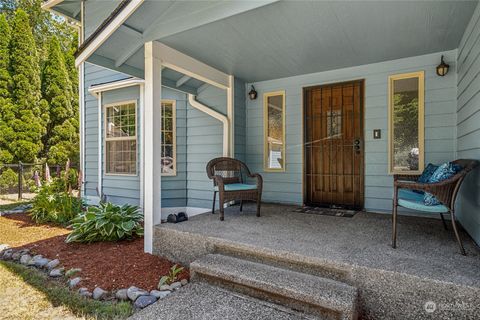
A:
(253, 94)
(442, 68)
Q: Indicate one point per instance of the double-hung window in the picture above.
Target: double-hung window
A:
(406, 122)
(169, 145)
(121, 138)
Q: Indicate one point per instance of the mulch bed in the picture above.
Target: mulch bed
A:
(109, 265)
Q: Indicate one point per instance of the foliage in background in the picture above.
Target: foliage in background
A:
(405, 120)
(26, 42)
(55, 202)
(108, 222)
(29, 115)
(61, 140)
(52, 205)
(8, 180)
(6, 106)
(171, 277)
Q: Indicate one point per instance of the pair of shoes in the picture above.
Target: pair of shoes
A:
(180, 217)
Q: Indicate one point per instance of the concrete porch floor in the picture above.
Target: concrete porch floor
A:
(424, 249)
(392, 283)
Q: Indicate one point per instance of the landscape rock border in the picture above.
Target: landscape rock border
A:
(140, 298)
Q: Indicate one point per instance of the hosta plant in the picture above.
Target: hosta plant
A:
(107, 222)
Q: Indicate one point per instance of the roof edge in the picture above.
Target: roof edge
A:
(102, 26)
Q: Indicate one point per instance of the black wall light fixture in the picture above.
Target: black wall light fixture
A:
(253, 93)
(442, 68)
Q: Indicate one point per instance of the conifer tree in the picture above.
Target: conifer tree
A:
(6, 107)
(30, 111)
(61, 140)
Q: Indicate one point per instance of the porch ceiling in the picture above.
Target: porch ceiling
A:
(288, 38)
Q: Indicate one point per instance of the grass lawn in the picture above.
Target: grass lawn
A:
(29, 294)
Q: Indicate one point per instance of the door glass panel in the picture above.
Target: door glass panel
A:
(274, 131)
(405, 124)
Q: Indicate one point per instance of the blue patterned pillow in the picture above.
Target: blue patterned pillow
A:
(443, 172)
(427, 173)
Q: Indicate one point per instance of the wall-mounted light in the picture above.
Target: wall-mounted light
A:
(442, 68)
(253, 93)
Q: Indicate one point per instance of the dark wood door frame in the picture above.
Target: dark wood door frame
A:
(306, 102)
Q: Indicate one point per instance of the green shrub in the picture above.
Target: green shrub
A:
(108, 222)
(171, 277)
(8, 180)
(52, 204)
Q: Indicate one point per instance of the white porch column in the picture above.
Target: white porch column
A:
(151, 143)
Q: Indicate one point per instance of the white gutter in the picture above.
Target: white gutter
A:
(217, 115)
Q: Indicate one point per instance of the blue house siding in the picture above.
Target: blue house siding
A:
(94, 75)
(204, 142)
(468, 121)
(240, 116)
(174, 188)
(440, 109)
(122, 188)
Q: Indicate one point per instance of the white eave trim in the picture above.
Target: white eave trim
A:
(108, 31)
(50, 3)
(96, 89)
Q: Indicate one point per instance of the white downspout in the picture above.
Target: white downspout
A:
(217, 115)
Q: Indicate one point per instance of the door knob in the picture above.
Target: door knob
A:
(356, 144)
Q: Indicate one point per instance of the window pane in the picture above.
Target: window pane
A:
(274, 132)
(120, 121)
(405, 131)
(121, 156)
(168, 134)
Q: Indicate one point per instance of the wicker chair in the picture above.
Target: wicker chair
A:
(228, 180)
(445, 191)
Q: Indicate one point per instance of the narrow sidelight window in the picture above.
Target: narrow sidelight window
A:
(169, 145)
(406, 122)
(274, 131)
(121, 138)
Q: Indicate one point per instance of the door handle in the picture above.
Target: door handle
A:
(356, 144)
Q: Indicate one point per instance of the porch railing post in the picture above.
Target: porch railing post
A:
(20, 180)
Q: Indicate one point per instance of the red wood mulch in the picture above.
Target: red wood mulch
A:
(109, 265)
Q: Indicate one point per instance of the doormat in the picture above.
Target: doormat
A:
(327, 211)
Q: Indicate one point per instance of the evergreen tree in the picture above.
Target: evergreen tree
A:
(29, 109)
(61, 140)
(6, 107)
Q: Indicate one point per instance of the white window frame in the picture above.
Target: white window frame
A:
(174, 134)
(105, 139)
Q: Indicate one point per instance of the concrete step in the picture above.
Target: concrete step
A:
(287, 260)
(327, 298)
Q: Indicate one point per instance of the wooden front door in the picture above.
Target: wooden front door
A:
(334, 145)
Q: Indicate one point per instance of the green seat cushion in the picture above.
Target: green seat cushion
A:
(238, 187)
(413, 200)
